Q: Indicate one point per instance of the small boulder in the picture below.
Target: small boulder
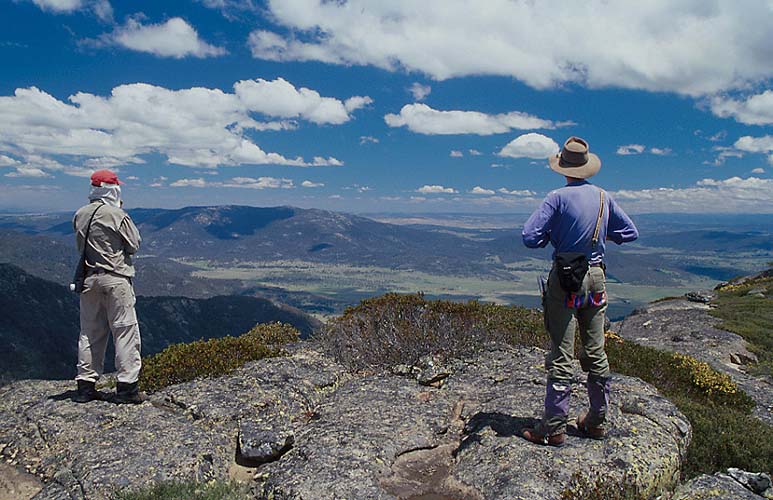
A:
(263, 441)
(701, 296)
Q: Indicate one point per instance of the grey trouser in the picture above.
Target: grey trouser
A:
(107, 304)
(560, 322)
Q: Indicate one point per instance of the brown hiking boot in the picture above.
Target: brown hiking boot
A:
(592, 431)
(535, 436)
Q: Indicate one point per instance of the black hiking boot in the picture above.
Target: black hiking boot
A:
(87, 392)
(127, 394)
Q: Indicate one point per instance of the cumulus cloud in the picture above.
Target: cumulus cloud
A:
(237, 182)
(660, 151)
(197, 183)
(706, 196)
(422, 119)
(659, 45)
(630, 149)
(436, 189)
(750, 144)
(758, 171)
(474, 152)
(368, 139)
(310, 184)
(419, 91)
(480, 190)
(517, 192)
(530, 145)
(723, 153)
(456, 154)
(173, 38)
(101, 8)
(754, 110)
(196, 127)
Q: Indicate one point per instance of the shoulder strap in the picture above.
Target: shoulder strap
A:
(88, 230)
(598, 221)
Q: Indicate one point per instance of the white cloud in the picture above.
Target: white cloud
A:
(196, 127)
(357, 102)
(310, 184)
(28, 171)
(659, 45)
(474, 152)
(237, 182)
(64, 6)
(630, 149)
(368, 139)
(724, 153)
(751, 195)
(419, 91)
(7, 161)
(197, 183)
(480, 190)
(758, 171)
(259, 183)
(456, 154)
(101, 8)
(750, 144)
(660, 151)
(174, 38)
(282, 99)
(435, 189)
(530, 145)
(754, 110)
(517, 192)
(422, 119)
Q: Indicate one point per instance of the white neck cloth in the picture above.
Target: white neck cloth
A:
(110, 194)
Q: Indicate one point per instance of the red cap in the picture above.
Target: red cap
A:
(106, 176)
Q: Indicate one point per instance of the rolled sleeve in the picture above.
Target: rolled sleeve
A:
(620, 228)
(536, 231)
(131, 235)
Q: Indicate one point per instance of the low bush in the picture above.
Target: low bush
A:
(399, 329)
(176, 490)
(209, 358)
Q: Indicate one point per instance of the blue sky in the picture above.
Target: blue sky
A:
(369, 106)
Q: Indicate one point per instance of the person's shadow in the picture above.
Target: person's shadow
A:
(504, 426)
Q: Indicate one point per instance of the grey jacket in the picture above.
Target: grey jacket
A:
(113, 238)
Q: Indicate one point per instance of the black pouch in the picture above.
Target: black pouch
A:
(571, 268)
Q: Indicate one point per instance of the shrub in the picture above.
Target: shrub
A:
(177, 490)
(594, 485)
(208, 358)
(399, 329)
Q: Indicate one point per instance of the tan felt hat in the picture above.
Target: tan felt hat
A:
(575, 160)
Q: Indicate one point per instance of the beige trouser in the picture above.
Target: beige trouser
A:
(107, 304)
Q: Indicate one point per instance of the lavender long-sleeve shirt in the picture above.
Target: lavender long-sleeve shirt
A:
(567, 219)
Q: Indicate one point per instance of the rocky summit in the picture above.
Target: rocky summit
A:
(302, 427)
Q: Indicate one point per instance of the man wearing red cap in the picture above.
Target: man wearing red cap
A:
(108, 239)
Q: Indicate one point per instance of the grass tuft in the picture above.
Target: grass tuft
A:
(178, 490)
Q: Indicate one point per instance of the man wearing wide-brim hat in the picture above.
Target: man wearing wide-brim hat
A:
(577, 220)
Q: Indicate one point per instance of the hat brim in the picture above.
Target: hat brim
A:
(584, 171)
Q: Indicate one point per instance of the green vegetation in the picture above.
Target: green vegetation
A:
(209, 358)
(725, 434)
(595, 485)
(173, 490)
(399, 329)
(747, 310)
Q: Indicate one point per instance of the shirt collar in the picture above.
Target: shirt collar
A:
(578, 183)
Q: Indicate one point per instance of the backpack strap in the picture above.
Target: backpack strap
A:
(88, 230)
(598, 221)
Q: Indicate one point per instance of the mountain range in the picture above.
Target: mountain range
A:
(40, 323)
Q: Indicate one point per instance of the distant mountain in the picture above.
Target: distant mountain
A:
(39, 323)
